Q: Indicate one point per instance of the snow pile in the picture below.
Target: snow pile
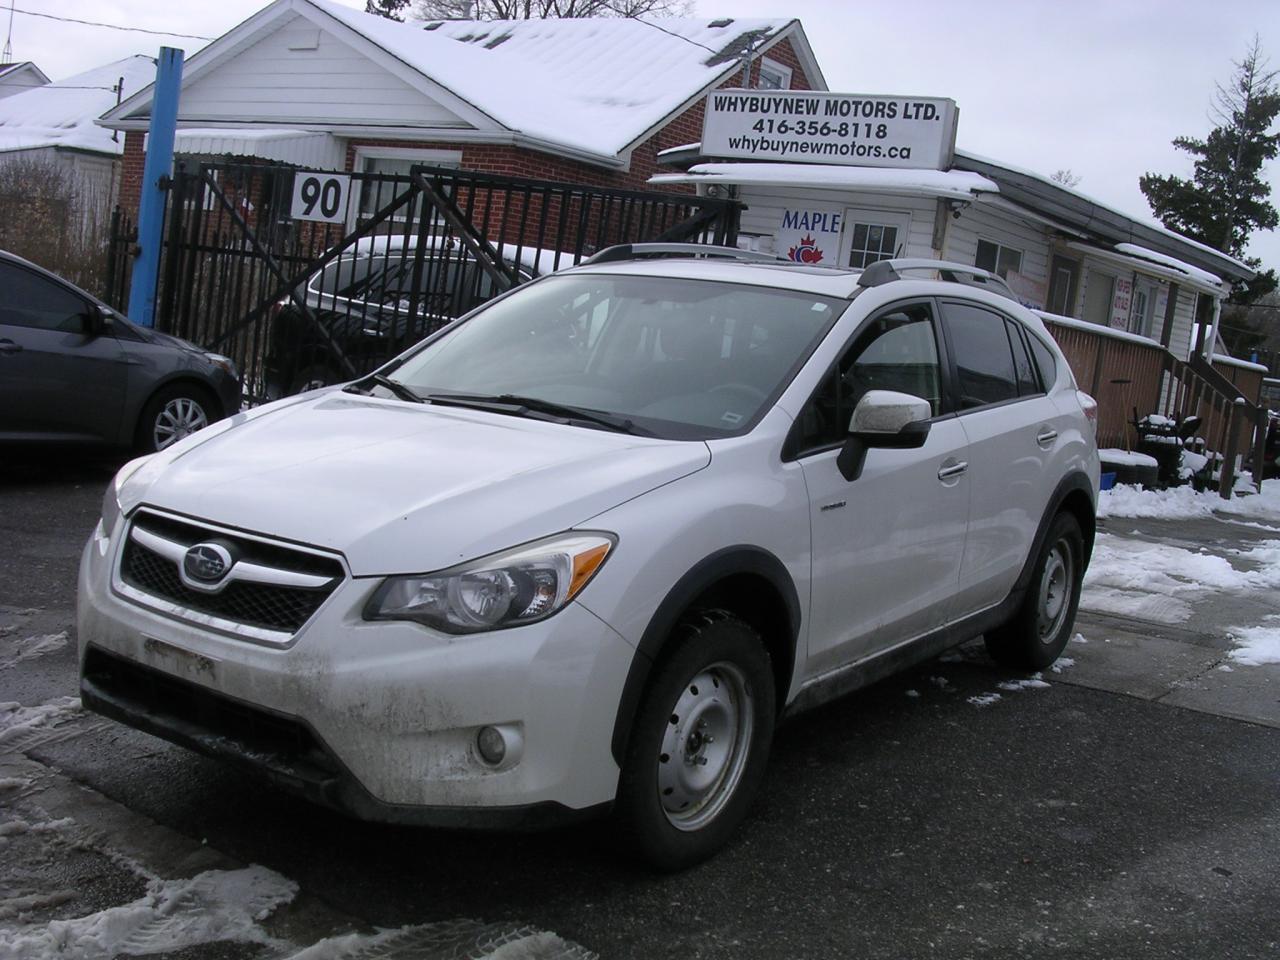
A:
(985, 699)
(32, 647)
(217, 905)
(1032, 682)
(1184, 503)
(452, 938)
(17, 720)
(1256, 645)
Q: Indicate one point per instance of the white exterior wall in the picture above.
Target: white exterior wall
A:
(766, 206)
(984, 222)
(92, 178)
(19, 81)
(327, 84)
(1184, 315)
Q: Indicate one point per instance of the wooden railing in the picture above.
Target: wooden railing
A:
(1131, 376)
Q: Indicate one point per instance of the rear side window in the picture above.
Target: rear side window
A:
(1028, 384)
(1045, 360)
(979, 340)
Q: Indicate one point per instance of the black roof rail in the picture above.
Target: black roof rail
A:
(887, 271)
(637, 251)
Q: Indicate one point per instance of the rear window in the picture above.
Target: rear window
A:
(1045, 361)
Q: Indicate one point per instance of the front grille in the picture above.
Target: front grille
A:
(266, 606)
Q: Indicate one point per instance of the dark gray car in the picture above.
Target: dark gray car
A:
(72, 369)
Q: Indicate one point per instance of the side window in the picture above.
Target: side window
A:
(896, 351)
(32, 301)
(1045, 361)
(984, 361)
(1028, 385)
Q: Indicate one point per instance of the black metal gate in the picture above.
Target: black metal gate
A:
(300, 302)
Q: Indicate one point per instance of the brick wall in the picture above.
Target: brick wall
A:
(131, 172)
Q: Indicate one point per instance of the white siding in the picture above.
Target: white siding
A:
(329, 83)
(988, 223)
(19, 81)
(1183, 320)
(766, 205)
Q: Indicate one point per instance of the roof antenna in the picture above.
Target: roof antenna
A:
(7, 56)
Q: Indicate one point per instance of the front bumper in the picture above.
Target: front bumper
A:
(377, 719)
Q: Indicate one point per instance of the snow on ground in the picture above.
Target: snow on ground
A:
(217, 905)
(1256, 645)
(15, 719)
(985, 699)
(31, 647)
(453, 938)
(1184, 503)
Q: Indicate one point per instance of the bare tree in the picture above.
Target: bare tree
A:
(1065, 177)
(546, 9)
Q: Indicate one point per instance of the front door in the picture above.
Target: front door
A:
(886, 546)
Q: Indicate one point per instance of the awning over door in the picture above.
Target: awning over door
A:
(303, 148)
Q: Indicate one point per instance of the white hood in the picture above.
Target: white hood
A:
(402, 488)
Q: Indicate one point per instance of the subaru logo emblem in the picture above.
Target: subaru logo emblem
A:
(207, 562)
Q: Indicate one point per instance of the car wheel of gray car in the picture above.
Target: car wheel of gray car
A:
(313, 377)
(173, 413)
(700, 743)
(1038, 633)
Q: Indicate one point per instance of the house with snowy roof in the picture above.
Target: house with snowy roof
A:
(17, 77)
(53, 124)
(317, 84)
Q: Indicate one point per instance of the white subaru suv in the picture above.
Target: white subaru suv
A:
(581, 550)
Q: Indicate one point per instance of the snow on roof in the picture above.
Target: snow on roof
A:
(938, 183)
(10, 69)
(1195, 273)
(1145, 221)
(61, 114)
(596, 84)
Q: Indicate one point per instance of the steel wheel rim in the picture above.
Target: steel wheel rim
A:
(179, 417)
(1054, 591)
(705, 746)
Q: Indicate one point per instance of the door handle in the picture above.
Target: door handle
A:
(1046, 436)
(952, 469)
(8, 346)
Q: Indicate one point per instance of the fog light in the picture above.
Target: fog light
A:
(492, 745)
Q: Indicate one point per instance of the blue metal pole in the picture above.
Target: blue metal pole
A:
(156, 171)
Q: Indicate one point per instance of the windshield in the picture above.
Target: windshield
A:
(687, 359)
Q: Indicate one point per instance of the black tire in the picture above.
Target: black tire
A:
(1038, 633)
(172, 413)
(711, 645)
(313, 377)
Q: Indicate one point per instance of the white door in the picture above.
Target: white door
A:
(870, 235)
(886, 545)
(1012, 429)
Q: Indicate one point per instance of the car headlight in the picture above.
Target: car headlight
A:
(507, 589)
(111, 499)
(226, 363)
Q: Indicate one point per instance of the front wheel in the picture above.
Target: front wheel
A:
(700, 743)
(1038, 633)
(173, 413)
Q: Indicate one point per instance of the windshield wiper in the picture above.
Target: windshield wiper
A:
(518, 404)
(395, 386)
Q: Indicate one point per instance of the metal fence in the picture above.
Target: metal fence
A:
(297, 302)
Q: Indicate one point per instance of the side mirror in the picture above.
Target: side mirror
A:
(98, 321)
(883, 418)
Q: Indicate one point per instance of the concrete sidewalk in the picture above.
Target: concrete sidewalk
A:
(1187, 663)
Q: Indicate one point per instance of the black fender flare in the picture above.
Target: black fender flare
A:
(1073, 483)
(739, 559)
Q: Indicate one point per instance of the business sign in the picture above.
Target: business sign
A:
(1121, 303)
(844, 128)
(808, 235)
(320, 196)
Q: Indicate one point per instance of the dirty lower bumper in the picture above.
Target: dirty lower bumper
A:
(284, 750)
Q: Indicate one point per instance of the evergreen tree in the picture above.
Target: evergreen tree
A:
(1227, 199)
(386, 8)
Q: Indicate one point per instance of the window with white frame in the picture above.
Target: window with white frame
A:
(774, 75)
(376, 193)
(998, 259)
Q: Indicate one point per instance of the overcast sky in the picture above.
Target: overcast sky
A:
(1097, 86)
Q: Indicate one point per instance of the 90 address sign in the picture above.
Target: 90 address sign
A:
(320, 196)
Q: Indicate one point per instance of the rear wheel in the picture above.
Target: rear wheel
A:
(1038, 633)
(700, 743)
(173, 413)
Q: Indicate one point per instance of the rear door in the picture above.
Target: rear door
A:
(1009, 423)
(56, 380)
(887, 546)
